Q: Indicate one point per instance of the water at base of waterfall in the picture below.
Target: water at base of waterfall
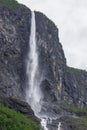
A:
(44, 123)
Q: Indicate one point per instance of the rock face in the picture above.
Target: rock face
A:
(59, 83)
(13, 47)
(75, 87)
(52, 61)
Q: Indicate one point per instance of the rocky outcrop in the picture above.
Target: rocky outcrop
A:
(75, 87)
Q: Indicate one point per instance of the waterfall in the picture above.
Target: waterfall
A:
(59, 126)
(33, 92)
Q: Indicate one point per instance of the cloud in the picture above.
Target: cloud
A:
(71, 18)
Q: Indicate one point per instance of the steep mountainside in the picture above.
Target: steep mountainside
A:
(62, 86)
(75, 86)
(14, 38)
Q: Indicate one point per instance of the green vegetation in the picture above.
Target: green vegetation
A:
(71, 69)
(78, 111)
(11, 120)
(74, 70)
(81, 112)
(78, 118)
(11, 4)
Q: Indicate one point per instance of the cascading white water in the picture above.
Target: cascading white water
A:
(33, 93)
(59, 126)
(44, 124)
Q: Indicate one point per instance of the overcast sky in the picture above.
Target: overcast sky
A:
(70, 16)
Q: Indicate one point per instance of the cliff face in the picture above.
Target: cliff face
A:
(52, 61)
(14, 37)
(59, 82)
(14, 47)
(75, 86)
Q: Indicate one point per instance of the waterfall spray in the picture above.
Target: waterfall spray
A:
(33, 93)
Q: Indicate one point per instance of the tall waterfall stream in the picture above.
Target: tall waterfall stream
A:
(33, 92)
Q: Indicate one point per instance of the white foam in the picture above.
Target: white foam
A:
(44, 122)
(59, 126)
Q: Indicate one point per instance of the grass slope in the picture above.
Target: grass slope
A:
(11, 120)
